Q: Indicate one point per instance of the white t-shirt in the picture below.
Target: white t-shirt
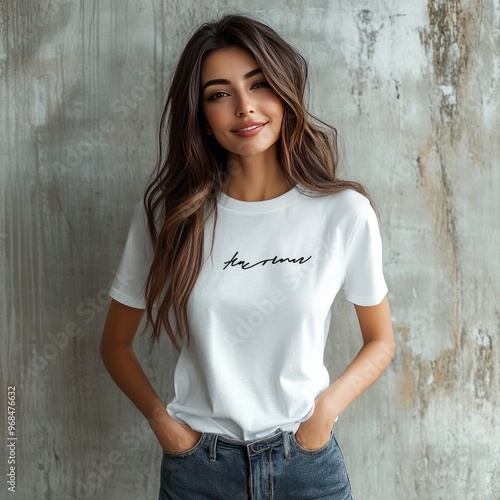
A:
(260, 310)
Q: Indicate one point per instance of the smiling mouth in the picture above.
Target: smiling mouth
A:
(250, 127)
(253, 127)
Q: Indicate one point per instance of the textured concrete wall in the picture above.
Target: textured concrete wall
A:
(413, 88)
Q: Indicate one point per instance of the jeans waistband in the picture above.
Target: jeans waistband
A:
(280, 437)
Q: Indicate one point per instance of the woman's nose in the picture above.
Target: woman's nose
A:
(244, 105)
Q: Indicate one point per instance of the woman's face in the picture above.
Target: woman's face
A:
(234, 93)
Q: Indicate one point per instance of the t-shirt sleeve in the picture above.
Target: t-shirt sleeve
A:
(364, 282)
(128, 286)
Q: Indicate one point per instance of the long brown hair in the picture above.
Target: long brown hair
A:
(192, 168)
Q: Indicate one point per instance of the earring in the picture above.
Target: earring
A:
(208, 132)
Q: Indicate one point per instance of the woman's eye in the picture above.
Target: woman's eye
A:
(218, 95)
(214, 96)
(263, 82)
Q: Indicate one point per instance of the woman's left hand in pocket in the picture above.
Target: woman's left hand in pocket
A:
(314, 433)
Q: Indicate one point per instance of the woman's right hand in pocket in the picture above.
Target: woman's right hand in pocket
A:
(173, 436)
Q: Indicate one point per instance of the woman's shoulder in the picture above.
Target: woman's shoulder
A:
(139, 212)
(352, 198)
(138, 225)
(347, 199)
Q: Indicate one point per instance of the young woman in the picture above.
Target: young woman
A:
(243, 239)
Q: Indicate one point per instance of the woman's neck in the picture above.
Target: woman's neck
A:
(255, 178)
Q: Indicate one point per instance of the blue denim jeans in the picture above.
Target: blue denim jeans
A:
(271, 468)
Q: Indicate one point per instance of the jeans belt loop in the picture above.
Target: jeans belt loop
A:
(213, 445)
(286, 443)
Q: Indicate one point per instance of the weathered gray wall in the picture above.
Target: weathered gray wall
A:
(414, 89)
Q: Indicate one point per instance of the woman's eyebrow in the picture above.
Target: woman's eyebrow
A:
(223, 81)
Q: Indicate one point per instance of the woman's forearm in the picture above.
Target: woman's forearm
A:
(124, 367)
(370, 362)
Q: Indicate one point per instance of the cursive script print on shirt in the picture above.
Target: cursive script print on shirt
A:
(243, 264)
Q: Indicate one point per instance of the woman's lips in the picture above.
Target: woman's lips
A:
(253, 130)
